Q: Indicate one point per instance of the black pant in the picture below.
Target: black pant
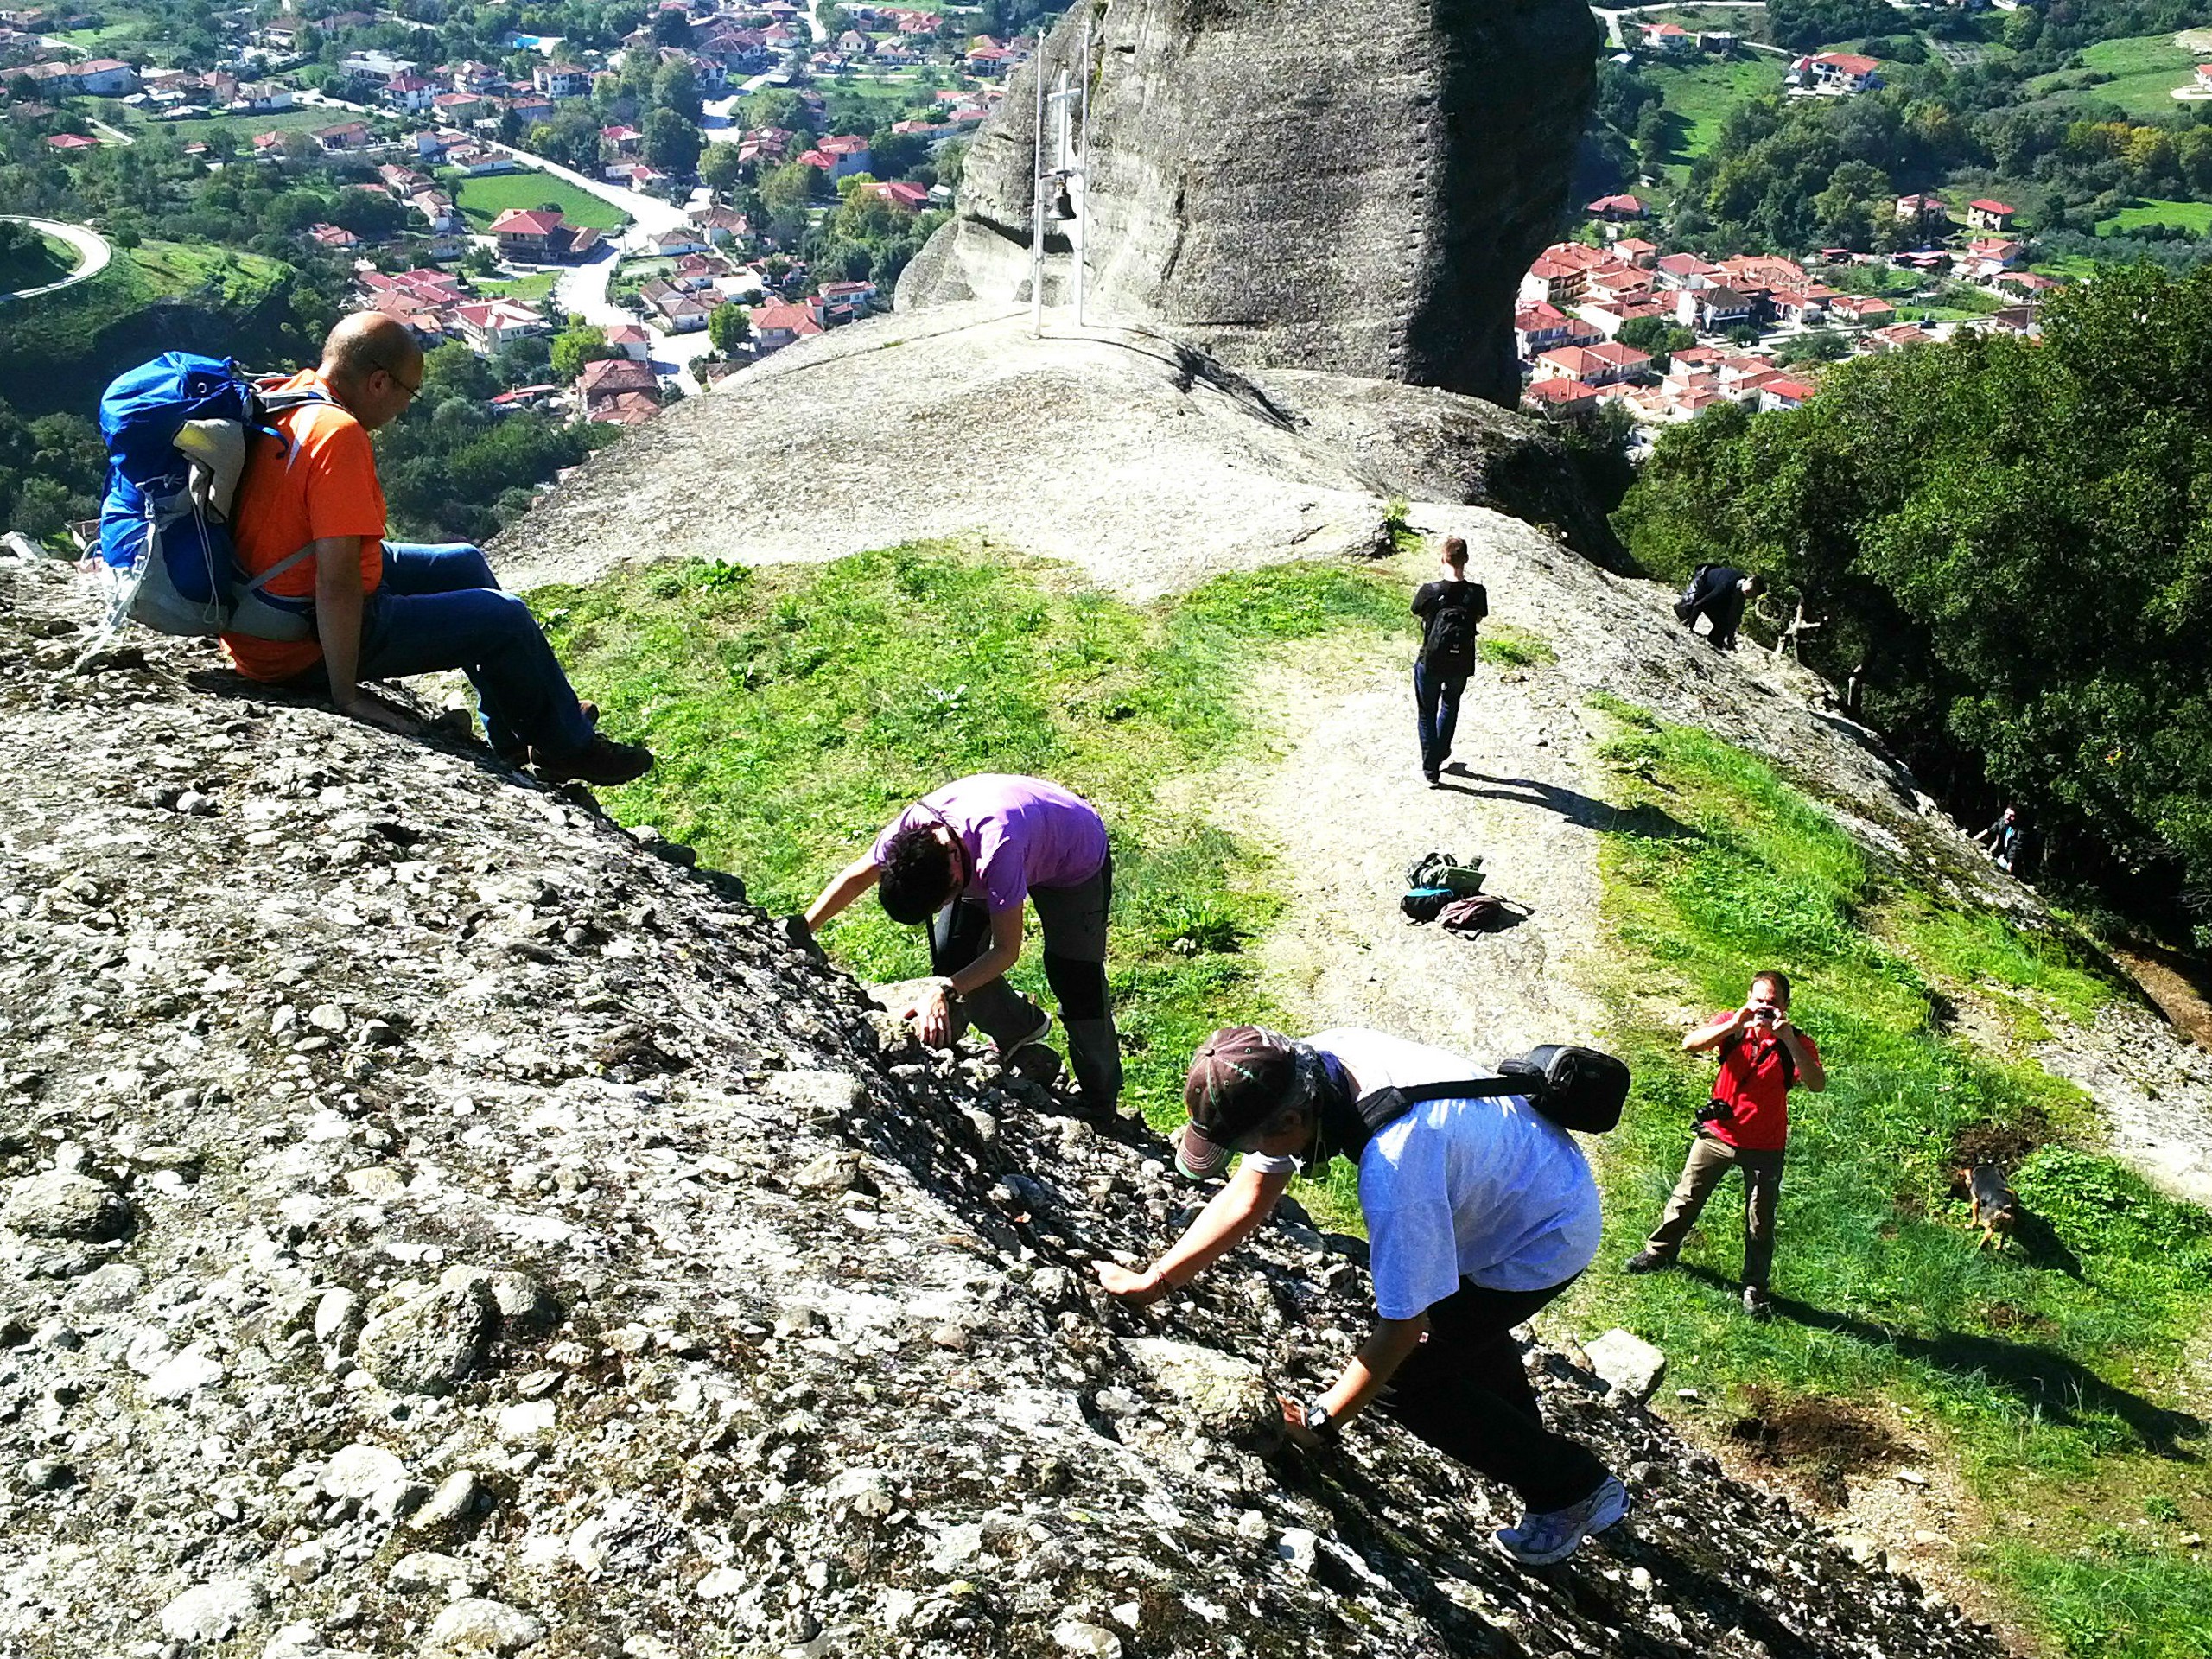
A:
(1073, 923)
(1465, 1392)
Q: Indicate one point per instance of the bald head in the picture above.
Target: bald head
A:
(372, 365)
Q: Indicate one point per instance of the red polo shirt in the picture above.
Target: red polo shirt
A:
(1754, 1084)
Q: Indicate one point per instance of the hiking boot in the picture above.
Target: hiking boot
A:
(1434, 782)
(1647, 1262)
(1757, 1303)
(1541, 1540)
(604, 762)
(517, 754)
(1036, 1033)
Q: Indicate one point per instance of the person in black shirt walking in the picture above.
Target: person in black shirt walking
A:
(1449, 611)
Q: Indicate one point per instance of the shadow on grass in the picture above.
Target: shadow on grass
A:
(2058, 1389)
(1651, 822)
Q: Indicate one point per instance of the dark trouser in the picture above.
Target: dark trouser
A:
(441, 607)
(1710, 1159)
(1436, 713)
(1073, 923)
(1725, 610)
(1465, 1392)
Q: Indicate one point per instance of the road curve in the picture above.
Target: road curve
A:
(91, 246)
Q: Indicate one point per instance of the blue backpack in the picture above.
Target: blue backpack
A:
(176, 431)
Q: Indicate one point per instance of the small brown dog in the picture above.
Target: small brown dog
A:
(1996, 1206)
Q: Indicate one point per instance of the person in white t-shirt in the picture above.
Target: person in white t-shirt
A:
(1478, 1213)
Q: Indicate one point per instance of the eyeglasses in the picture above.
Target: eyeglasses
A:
(393, 375)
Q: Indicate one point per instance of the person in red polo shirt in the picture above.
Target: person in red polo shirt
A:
(1745, 1126)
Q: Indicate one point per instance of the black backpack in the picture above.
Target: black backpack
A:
(1448, 642)
(1579, 1088)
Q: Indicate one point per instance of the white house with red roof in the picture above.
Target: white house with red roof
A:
(1835, 73)
(1783, 391)
(777, 325)
(1896, 337)
(414, 93)
(900, 192)
(1988, 215)
(632, 340)
(1862, 308)
(1605, 364)
(1558, 396)
(1617, 207)
(1671, 40)
(492, 326)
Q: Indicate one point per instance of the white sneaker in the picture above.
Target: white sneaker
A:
(1541, 1540)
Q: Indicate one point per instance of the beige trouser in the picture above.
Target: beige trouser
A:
(1710, 1159)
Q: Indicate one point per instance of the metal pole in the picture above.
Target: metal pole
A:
(1082, 239)
(1037, 208)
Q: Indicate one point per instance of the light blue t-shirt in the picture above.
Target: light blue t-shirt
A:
(1487, 1190)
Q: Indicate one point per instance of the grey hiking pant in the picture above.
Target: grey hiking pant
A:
(1073, 923)
(1712, 1158)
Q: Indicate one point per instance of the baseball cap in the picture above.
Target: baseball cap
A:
(1239, 1078)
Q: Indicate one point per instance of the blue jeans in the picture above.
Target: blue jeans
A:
(1436, 713)
(441, 607)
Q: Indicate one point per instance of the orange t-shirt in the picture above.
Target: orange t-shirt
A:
(323, 484)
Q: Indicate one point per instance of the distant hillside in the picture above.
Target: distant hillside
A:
(57, 351)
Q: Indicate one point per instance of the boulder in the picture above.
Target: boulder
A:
(1297, 184)
(63, 1203)
(1217, 1394)
(475, 1625)
(429, 1343)
(214, 1611)
(1627, 1362)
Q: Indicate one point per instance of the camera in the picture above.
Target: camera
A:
(1765, 1016)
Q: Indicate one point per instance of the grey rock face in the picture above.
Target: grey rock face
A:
(62, 1204)
(429, 1341)
(1299, 183)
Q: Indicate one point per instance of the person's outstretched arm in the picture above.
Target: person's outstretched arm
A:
(1388, 1346)
(1233, 1215)
(855, 879)
(1711, 1035)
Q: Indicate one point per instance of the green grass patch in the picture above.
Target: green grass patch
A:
(2192, 216)
(483, 199)
(1503, 646)
(2048, 1372)
(2125, 1594)
(1700, 95)
(2145, 70)
(44, 259)
(525, 290)
(55, 341)
(798, 709)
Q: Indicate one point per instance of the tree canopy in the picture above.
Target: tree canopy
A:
(2014, 537)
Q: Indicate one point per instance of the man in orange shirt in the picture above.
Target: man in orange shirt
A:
(383, 610)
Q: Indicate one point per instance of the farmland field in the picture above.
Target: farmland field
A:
(483, 199)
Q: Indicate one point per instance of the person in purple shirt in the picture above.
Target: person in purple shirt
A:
(963, 859)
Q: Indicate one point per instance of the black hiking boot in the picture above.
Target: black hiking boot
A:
(603, 763)
(1647, 1262)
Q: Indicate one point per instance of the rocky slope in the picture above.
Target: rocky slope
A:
(1141, 458)
(435, 1224)
(1297, 184)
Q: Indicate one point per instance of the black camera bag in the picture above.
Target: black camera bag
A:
(1579, 1088)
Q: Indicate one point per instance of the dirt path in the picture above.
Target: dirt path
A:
(1344, 810)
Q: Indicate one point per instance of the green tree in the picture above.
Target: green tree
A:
(789, 188)
(721, 171)
(1993, 518)
(728, 327)
(673, 143)
(671, 28)
(1656, 336)
(1655, 138)
(575, 348)
(675, 86)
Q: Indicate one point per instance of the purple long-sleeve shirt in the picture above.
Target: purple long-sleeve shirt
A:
(1019, 833)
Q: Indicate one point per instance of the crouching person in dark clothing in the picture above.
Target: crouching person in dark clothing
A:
(1479, 1213)
(1718, 593)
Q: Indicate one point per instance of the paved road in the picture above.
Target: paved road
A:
(92, 250)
